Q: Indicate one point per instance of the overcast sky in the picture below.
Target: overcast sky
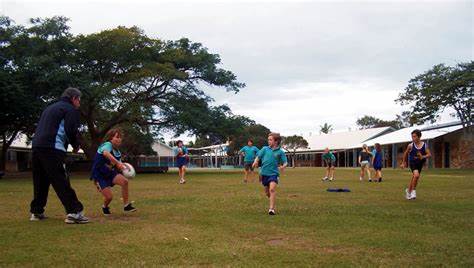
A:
(304, 63)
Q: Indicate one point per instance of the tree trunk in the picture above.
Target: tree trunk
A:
(6, 142)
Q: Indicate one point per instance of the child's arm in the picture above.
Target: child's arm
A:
(113, 160)
(428, 153)
(282, 167)
(255, 162)
(405, 156)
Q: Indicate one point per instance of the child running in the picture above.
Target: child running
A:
(106, 170)
(364, 160)
(377, 162)
(273, 161)
(250, 152)
(182, 158)
(417, 153)
(330, 162)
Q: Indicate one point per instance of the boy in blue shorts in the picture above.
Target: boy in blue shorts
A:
(250, 152)
(273, 161)
(107, 168)
(182, 159)
(417, 153)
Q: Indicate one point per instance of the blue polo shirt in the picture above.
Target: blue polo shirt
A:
(250, 153)
(271, 159)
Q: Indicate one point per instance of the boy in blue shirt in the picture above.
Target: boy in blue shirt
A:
(249, 152)
(273, 161)
(182, 159)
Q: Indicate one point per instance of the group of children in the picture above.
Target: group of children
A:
(271, 159)
(415, 155)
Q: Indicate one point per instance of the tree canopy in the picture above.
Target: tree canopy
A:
(438, 88)
(128, 79)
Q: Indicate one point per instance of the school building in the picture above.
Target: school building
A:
(451, 145)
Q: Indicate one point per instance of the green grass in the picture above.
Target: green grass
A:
(226, 224)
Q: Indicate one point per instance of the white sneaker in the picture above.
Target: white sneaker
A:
(330, 179)
(182, 181)
(360, 178)
(413, 194)
(76, 218)
(38, 217)
(271, 212)
(324, 179)
(407, 194)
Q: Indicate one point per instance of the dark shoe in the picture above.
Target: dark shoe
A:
(380, 179)
(106, 211)
(129, 208)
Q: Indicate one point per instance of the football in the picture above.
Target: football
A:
(128, 171)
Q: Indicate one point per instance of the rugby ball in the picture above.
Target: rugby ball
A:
(128, 171)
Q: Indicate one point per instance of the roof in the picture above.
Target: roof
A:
(404, 135)
(22, 142)
(343, 140)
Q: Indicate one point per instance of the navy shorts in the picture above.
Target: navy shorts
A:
(181, 161)
(248, 166)
(267, 179)
(105, 180)
(378, 168)
(416, 165)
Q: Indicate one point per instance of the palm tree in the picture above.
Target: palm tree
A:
(326, 128)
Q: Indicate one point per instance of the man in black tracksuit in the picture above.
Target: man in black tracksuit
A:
(57, 128)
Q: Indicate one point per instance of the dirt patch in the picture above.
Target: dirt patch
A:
(275, 242)
(114, 218)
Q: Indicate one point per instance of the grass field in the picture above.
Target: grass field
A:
(216, 220)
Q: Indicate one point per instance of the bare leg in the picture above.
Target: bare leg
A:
(123, 182)
(414, 181)
(332, 172)
(267, 191)
(246, 177)
(272, 190)
(107, 193)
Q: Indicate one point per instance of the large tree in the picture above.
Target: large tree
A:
(292, 143)
(438, 88)
(128, 77)
(33, 69)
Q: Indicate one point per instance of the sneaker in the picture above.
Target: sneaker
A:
(360, 178)
(370, 180)
(76, 218)
(182, 181)
(331, 179)
(324, 179)
(271, 212)
(407, 194)
(106, 211)
(129, 208)
(38, 217)
(380, 179)
(413, 195)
